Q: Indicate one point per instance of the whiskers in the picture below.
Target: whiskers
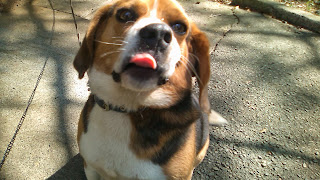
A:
(118, 42)
(108, 53)
(121, 42)
(190, 67)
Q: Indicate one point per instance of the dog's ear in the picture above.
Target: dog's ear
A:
(199, 47)
(199, 53)
(84, 57)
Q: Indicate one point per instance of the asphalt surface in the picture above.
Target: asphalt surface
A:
(265, 82)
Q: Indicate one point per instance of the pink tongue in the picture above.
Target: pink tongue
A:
(144, 60)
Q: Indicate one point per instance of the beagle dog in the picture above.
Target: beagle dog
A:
(142, 120)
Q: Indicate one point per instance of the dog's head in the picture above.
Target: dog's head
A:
(146, 48)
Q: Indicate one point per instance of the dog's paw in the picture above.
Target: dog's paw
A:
(216, 119)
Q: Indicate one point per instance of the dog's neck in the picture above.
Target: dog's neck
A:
(109, 107)
(183, 104)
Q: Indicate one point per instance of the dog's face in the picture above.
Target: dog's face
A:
(144, 46)
(151, 43)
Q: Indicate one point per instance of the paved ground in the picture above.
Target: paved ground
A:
(265, 81)
(278, 10)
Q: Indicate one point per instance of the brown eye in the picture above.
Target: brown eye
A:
(126, 15)
(179, 28)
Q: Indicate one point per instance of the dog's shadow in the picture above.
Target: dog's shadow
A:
(72, 170)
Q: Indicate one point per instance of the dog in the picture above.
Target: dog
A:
(142, 120)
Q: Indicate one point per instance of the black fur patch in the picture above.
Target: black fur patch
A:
(152, 124)
(170, 148)
(86, 111)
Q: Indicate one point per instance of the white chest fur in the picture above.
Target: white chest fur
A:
(105, 146)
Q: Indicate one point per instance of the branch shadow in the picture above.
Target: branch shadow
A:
(59, 85)
(46, 52)
(236, 79)
(6, 6)
(220, 101)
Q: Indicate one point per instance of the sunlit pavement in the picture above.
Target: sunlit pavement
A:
(265, 82)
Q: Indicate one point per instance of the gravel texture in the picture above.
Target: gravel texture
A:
(265, 81)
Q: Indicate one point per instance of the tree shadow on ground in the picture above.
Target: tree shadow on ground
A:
(257, 82)
(72, 170)
(221, 101)
(40, 44)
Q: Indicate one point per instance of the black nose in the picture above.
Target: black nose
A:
(156, 36)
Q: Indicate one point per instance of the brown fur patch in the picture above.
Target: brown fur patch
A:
(110, 37)
(202, 153)
(84, 117)
(80, 128)
(84, 57)
(169, 137)
(154, 128)
(181, 165)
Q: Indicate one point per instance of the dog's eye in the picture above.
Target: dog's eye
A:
(179, 28)
(125, 15)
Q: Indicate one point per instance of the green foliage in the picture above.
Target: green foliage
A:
(308, 5)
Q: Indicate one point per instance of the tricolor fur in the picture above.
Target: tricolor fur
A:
(164, 134)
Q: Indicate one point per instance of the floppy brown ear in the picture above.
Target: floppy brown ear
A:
(84, 58)
(200, 48)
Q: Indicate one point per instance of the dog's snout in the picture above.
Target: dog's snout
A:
(156, 36)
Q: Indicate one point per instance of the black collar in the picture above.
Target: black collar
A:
(109, 107)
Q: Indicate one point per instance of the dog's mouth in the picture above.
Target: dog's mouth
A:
(144, 60)
(141, 72)
(142, 66)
